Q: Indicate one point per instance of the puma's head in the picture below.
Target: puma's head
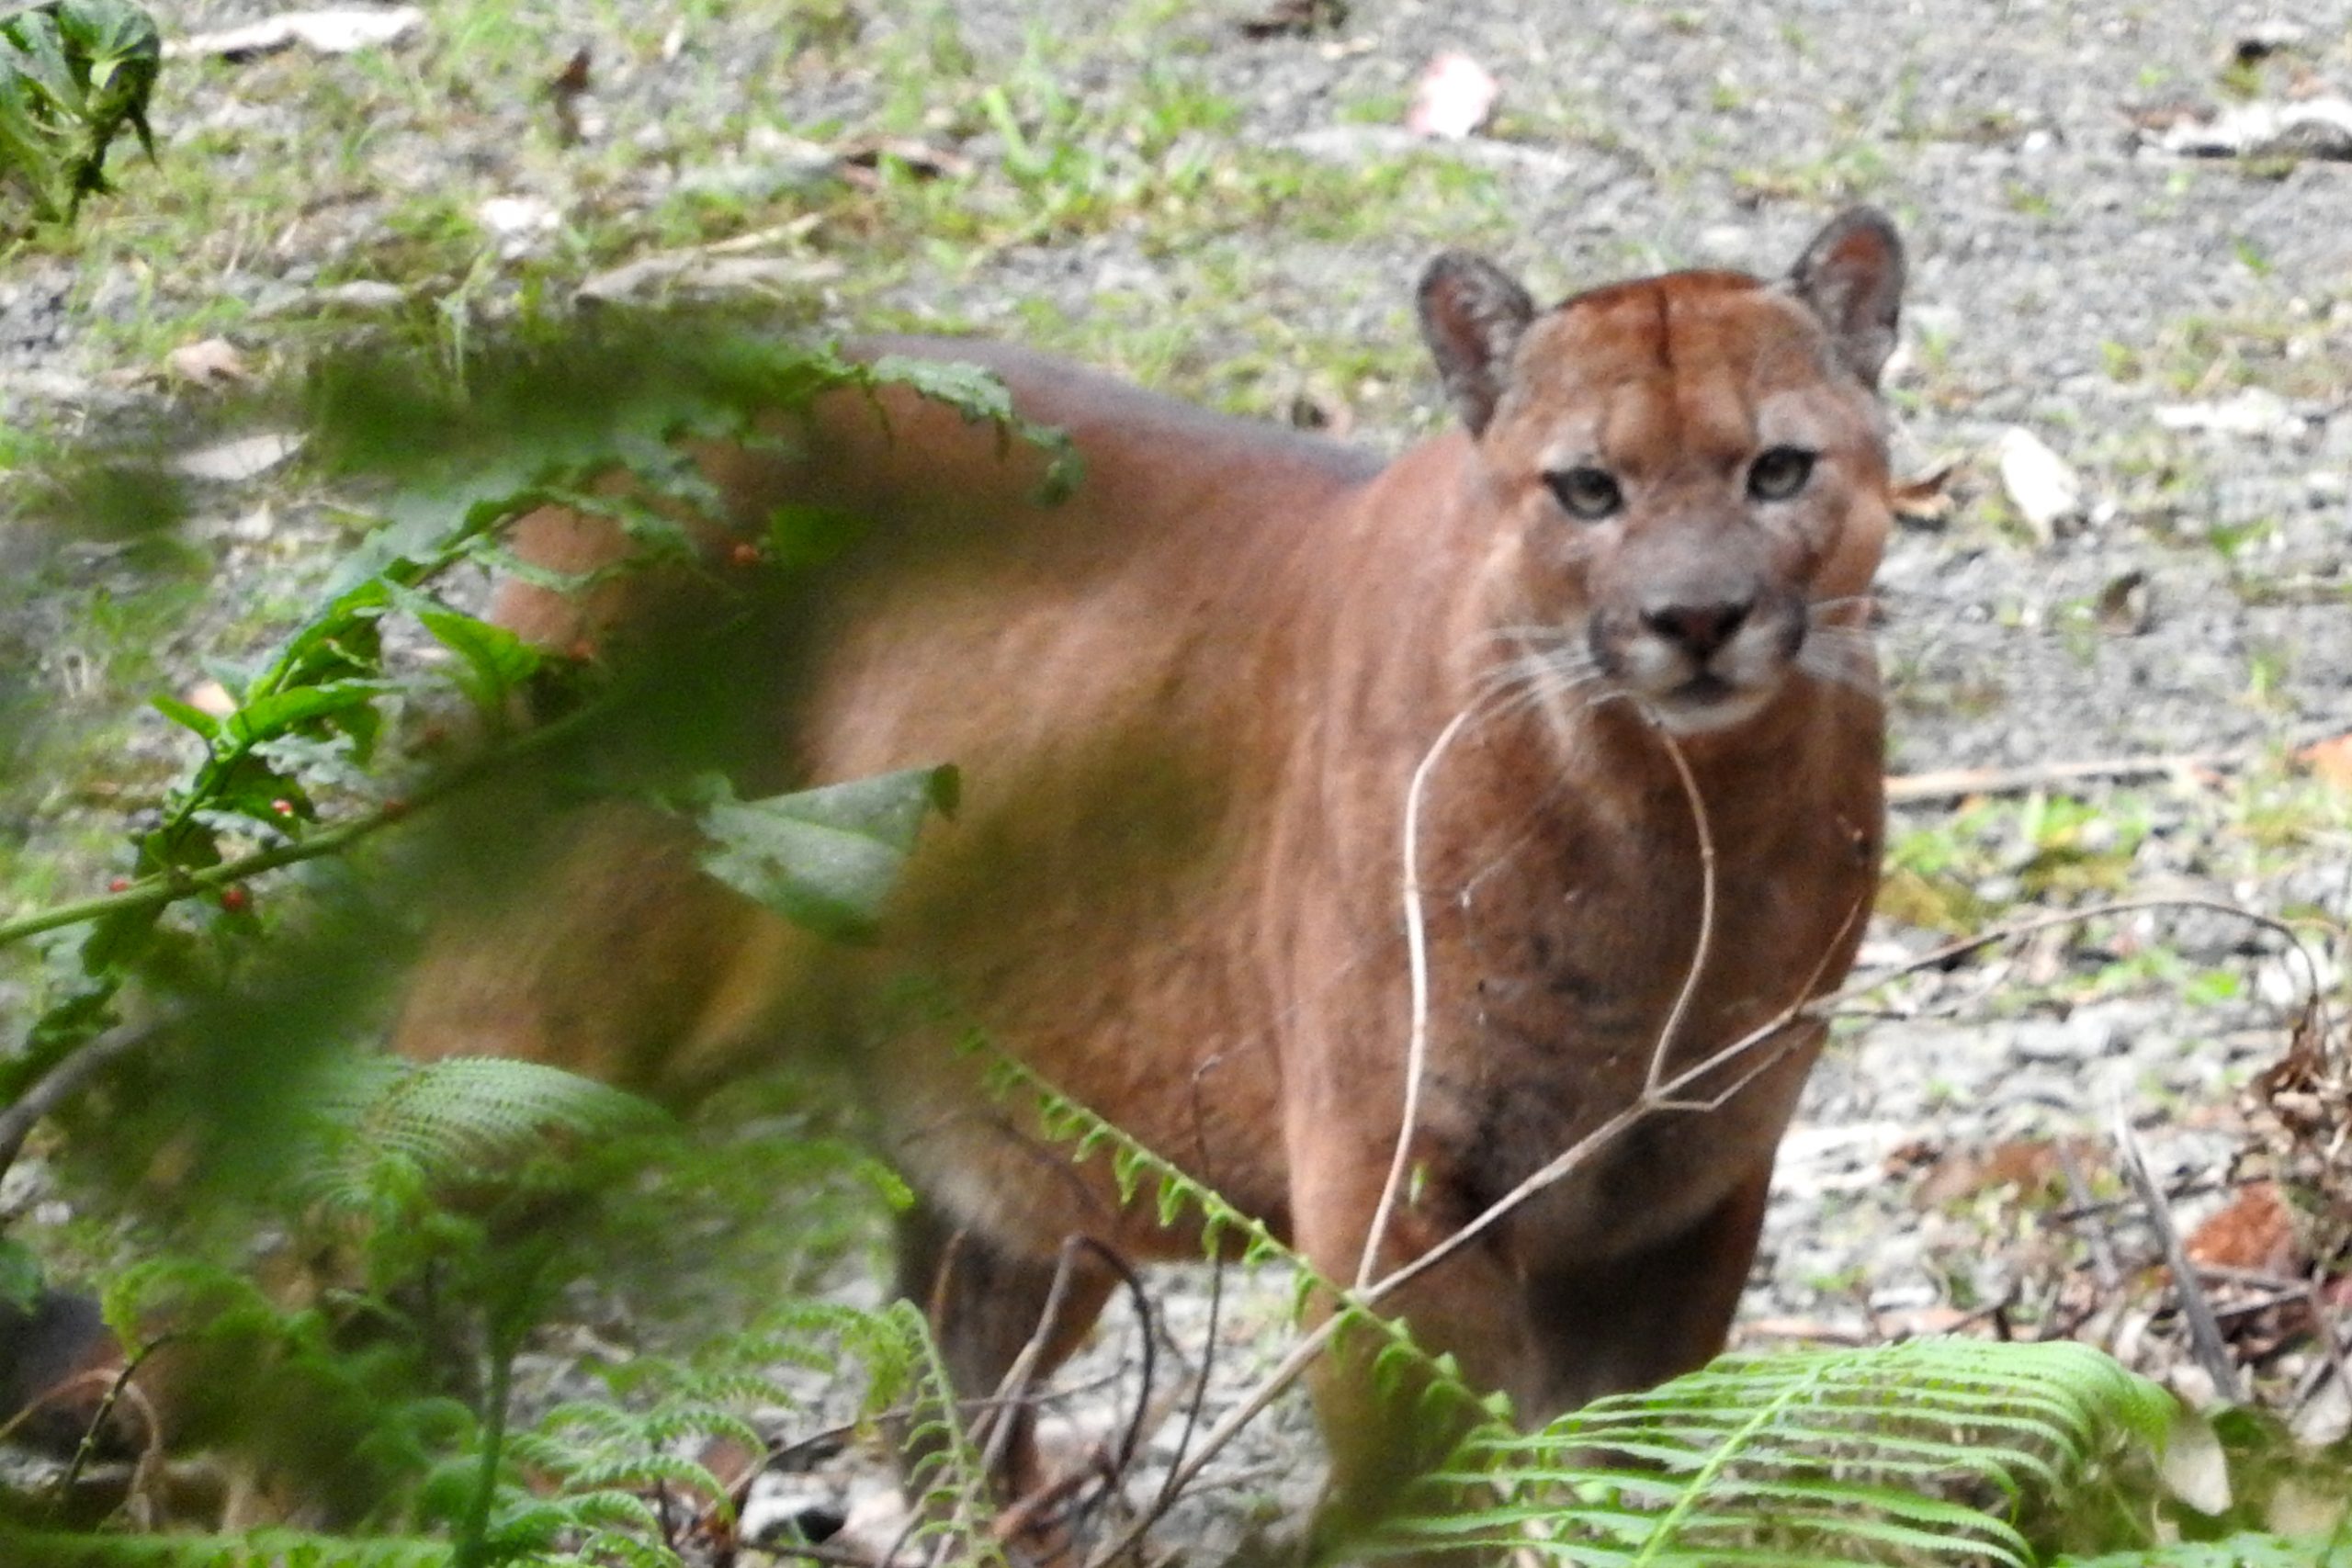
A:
(1688, 473)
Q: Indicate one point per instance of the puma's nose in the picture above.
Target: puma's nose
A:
(1699, 629)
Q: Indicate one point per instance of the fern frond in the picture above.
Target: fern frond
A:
(1132, 1164)
(448, 1122)
(1932, 1451)
(948, 1485)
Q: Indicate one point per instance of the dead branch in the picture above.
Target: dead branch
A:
(66, 1080)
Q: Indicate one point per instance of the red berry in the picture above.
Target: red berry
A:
(283, 808)
(119, 885)
(745, 554)
(235, 900)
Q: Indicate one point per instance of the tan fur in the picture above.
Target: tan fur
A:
(1187, 705)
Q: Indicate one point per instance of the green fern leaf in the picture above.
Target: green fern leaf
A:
(455, 1120)
(1928, 1452)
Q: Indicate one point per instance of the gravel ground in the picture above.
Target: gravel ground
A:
(2176, 328)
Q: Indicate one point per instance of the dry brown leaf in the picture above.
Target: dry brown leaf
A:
(2254, 1231)
(573, 79)
(2024, 1166)
(2329, 760)
(1926, 499)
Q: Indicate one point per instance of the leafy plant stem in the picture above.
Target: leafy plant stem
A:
(169, 887)
(1661, 1537)
(473, 1531)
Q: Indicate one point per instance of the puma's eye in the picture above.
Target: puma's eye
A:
(1779, 473)
(1586, 493)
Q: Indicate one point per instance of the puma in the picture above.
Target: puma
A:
(1190, 703)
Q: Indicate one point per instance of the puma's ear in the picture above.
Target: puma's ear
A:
(1472, 315)
(1852, 276)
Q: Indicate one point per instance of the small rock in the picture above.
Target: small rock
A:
(1904, 1298)
(517, 221)
(2251, 411)
(323, 32)
(2125, 606)
(2315, 127)
(785, 1509)
(2327, 1418)
(2045, 490)
(2264, 39)
(226, 462)
(695, 274)
(788, 168)
(1725, 243)
(365, 295)
(211, 361)
(1453, 98)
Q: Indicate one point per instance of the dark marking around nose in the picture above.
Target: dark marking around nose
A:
(1700, 630)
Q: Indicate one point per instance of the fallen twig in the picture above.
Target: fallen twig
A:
(1951, 783)
(2079, 1194)
(2204, 1330)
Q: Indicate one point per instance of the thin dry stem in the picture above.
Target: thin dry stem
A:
(1006, 1406)
(1417, 958)
(1698, 965)
(2204, 1330)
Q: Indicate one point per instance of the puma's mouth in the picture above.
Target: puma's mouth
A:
(1703, 668)
(1708, 701)
(1704, 688)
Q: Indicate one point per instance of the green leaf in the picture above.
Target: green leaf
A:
(280, 711)
(823, 858)
(74, 75)
(178, 712)
(494, 661)
(1931, 1451)
(971, 392)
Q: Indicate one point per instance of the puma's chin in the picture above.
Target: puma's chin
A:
(1707, 703)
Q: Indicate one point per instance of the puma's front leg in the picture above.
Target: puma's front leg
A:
(1389, 1418)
